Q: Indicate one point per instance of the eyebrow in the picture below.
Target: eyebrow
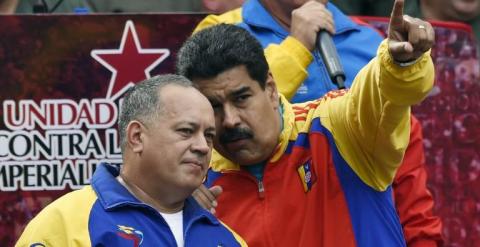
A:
(210, 129)
(187, 122)
(195, 125)
(236, 92)
(240, 91)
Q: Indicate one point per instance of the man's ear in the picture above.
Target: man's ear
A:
(134, 133)
(271, 90)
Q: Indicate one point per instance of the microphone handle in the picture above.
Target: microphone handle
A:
(329, 54)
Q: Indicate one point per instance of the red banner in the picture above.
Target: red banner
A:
(62, 78)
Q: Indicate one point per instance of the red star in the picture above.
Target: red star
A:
(130, 63)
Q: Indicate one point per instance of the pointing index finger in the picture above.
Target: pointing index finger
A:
(396, 18)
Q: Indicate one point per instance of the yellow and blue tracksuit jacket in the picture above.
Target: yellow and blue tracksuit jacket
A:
(106, 214)
(328, 182)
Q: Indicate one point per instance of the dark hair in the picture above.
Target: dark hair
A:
(216, 49)
(142, 101)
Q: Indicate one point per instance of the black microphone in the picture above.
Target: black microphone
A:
(327, 49)
(40, 7)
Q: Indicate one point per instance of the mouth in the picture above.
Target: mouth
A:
(236, 139)
(468, 7)
(194, 163)
(237, 143)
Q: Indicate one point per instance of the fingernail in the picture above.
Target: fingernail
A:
(214, 203)
(212, 210)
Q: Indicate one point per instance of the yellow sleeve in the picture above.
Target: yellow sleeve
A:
(288, 62)
(230, 17)
(373, 128)
(62, 223)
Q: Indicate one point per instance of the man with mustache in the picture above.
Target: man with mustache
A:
(166, 144)
(287, 30)
(316, 173)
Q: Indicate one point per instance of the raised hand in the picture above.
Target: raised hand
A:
(308, 20)
(408, 37)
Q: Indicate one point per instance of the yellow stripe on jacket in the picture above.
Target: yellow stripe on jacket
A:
(63, 222)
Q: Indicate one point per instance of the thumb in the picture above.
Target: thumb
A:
(400, 47)
(216, 190)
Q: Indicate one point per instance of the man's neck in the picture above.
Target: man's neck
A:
(279, 13)
(429, 12)
(154, 201)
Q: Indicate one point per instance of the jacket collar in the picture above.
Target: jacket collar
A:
(255, 14)
(112, 195)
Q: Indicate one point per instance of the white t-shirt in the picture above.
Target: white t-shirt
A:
(175, 222)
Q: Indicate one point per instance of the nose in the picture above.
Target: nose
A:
(231, 118)
(200, 145)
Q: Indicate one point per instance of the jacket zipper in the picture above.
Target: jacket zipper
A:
(260, 186)
(261, 189)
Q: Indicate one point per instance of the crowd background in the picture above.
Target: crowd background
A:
(450, 118)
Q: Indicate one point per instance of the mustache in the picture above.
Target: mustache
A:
(235, 134)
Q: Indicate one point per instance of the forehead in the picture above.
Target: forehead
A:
(182, 103)
(227, 83)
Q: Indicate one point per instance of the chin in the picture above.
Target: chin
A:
(247, 159)
(191, 183)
